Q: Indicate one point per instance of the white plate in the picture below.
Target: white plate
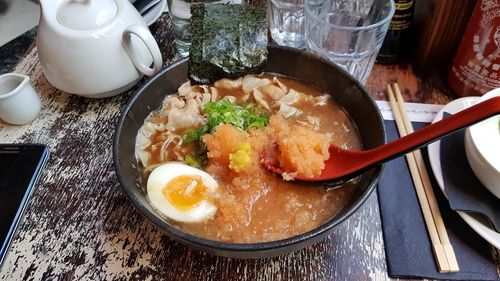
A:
(154, 13)
(478, 223)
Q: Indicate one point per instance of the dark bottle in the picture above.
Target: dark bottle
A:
(399, 34)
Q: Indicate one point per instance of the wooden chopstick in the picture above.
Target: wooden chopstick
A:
(437, 246)
(431, 198)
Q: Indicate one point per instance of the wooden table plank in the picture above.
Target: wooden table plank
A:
(424, 88)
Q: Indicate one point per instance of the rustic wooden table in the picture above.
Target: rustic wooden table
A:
(79, 224)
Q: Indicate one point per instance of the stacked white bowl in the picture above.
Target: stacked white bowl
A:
(482, 146)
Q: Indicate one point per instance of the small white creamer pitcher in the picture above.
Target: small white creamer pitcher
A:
(19, 103)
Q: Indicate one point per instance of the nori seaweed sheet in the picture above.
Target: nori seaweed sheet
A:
(229, 40)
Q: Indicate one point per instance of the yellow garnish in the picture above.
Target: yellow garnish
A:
(240, 160)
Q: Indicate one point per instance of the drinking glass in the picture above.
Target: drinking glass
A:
(348, 32)
(180, 13)
(286, 22)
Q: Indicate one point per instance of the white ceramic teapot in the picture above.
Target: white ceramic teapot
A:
(95, 48)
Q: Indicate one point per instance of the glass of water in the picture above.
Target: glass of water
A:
(348, 32)
(180, 13)
(286, 22)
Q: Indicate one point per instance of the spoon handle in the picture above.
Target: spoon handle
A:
(435, 131)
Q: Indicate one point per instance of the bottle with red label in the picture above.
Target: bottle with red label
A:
(476, 67)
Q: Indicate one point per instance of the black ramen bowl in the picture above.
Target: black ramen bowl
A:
(304, 67)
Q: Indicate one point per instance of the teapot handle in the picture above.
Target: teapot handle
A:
(148, 39)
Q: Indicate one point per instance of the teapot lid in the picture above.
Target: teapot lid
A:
(86, 14)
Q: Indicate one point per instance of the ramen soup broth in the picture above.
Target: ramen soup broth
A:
(256, 205)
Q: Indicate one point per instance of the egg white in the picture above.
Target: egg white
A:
(163, 174)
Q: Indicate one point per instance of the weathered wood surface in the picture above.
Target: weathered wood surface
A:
(424, 87)
(79, 225)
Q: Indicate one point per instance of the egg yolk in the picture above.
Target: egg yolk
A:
(184, 192)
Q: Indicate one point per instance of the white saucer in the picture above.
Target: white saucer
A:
(478, 223)
(154, 13)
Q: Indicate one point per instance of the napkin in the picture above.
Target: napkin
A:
(407, 244)
(464, 190)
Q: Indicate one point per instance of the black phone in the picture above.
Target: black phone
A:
(20, 167)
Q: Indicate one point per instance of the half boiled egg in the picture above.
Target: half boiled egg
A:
(181, 192)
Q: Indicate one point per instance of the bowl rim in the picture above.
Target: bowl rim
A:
(226, 247)
(476, 140)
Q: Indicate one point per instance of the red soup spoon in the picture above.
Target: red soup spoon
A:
(344, 164)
